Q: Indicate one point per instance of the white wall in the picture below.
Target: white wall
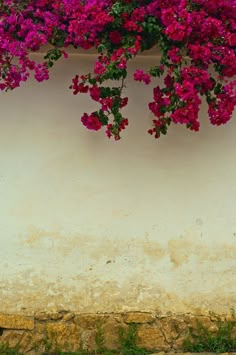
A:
(89, 224)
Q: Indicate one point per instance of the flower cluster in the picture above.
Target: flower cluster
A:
(196, 38)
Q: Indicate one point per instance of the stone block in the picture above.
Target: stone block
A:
(139, 317)
(151, 338)
(10, 321)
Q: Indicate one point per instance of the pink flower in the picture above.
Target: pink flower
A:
(185, 91)
(139, 75)
(168, 16)
(193, 29)
(175, 55)
(200, 52)
(176, 31)
(41, 72)
(123, 102)
(232, 39)
(220, 111)
(115, 37)
(78, 87)
(99, 68)
(95, 93)
(91, 122)
(106, 103)
(122, 63)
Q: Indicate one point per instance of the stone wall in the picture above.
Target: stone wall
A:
(73, 331)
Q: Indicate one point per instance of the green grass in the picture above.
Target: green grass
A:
(128, 342)
(6, 350)
(127, 346)
(202, 339)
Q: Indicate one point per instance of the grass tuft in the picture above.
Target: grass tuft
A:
(202, 339)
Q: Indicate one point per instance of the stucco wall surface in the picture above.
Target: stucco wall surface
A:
(88, 224)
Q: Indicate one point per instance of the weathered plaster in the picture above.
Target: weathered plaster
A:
(92, 225)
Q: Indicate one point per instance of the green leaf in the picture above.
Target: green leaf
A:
(155, 71)
(101, 48)
(218, 88)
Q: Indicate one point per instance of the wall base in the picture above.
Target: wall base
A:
(73, 331)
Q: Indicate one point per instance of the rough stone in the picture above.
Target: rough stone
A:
(229, 317)
(44, 316)
(12, 337)
(117, 317)
(90, 321)
(10, 321)
(179, 342)
(110, 332)
(172, 327)
(139, 317)
(88, 342)
(151, 338)
(24, 340)
(208, 322)
(63, 335)
(68, 316)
